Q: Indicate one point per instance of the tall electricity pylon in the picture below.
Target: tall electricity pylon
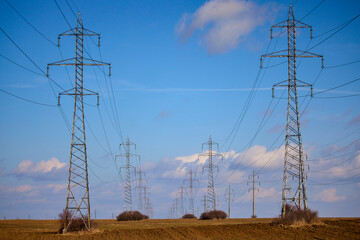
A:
(211, 197)
(78, 200)
(191, 181)
(127, 187)
(294, 181)
(253, 182)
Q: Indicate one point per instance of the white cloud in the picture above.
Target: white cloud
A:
(258, 156)
(42, 169)
(225, 23)
(261, 193)
(179, 172)
(24, 188)
(329, 195)
(56, 187)
(188, 158)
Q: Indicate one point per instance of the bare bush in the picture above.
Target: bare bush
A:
(131, 216)
(215, 214)
(76, 224)
(189, 216)
(295, 215)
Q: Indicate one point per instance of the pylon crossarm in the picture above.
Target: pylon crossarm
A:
(59, 63)
(285, 83)
(88, 32)
(300, 24)
(279, 25)
(308, 54)
(274, 54)
(70, 32)
(96, 62)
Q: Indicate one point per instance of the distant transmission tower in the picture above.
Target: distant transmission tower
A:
(211, 196)
(253, 182)
(181, 192)
(294, 182)
(78, 200)
(140, 189)
(191, 181)
(228, 198)
(127, 188)
(204, 201)
(148, 204)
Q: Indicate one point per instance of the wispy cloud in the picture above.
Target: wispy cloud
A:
(224, 23)
(163, 115)
(50, 169)
(354, 122)
(329, 195)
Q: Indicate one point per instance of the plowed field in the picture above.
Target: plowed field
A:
(326, 228)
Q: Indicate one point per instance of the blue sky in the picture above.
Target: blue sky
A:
(181, 71)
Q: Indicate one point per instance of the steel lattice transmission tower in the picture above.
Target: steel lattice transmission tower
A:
(210, 154)
(78, 200)
(181, 192)
(140, 189)
(294, 181)
(128, 156)
(191, 181)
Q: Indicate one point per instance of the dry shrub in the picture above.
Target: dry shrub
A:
(294, 215)
(189, 216)
(253, 216)
(215, 214)
(77, 224)
(131, 216)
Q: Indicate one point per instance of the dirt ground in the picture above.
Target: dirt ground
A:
(326, 228)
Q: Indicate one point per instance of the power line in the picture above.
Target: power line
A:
(62, 14)
(27, 56)
(30, 24)
(48, 78)
(339, 150)
(347, 23)
(343, 96)
(357, 154)
(344, 64)
(17, 64)
(313, 9)
(339, 181)
(28, 100)
(339, 86)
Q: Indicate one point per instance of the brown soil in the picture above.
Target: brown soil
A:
(326, 228)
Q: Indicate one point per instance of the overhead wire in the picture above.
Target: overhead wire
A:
(32, 26)
(343, 64)
(27, 56)
(327, 38)
(28, 100)
(338, 182)
(19, 65)
(48, 78)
